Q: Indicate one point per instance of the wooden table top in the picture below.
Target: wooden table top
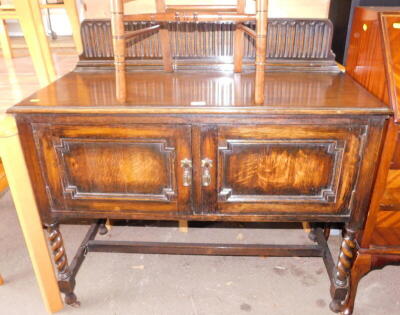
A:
(189, 92)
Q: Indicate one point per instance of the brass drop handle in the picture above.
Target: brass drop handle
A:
(206, 164)
(186, 164)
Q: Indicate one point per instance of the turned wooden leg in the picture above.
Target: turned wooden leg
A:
(66, 281)
(362, 265)
(341, 283)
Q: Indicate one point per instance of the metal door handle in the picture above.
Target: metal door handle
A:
(206, 164)
(186, 164)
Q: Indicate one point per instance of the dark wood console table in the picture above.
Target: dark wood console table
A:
(191, 145)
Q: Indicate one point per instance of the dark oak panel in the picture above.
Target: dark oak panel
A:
(283, 168)
(115, 168)
(279, 169)
(128, 169)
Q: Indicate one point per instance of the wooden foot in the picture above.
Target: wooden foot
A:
(103, 229)
(341, 277)
(1, 280)
(312, 236)
(66, 281)
(311, 231)
(71, 299)
(362, 265)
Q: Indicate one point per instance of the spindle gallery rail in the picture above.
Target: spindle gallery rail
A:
(191, 13)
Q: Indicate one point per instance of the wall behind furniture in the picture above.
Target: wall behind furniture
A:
(92, 9)
(341, 15)
(278, 8)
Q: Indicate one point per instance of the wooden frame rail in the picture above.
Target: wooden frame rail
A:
(190, 13)
(89, 244)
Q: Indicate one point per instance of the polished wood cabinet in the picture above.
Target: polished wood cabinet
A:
(220, 170)
(196, 147)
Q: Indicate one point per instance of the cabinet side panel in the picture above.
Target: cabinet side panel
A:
(365, 61)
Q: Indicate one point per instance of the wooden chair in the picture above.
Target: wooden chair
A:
(8, 11)
(191, 13)
(29, 16)
(72, 12)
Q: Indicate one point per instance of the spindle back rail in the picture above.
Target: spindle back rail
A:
(190, 13)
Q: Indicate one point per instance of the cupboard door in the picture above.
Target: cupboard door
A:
(115, 169)
(288, 169)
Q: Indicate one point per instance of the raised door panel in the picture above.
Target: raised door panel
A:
(288, 169)
(122, 168)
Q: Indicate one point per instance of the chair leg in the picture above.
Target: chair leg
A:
(30, 19)
(1, 280)
(238, 49)
(28, 213)
(72, 12)
(165, 39)
(66, 281)
(5, 40)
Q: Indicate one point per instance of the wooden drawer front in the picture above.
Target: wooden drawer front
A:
(114, 168)
(297, 169)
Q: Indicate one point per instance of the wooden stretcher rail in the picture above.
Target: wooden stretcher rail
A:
(190, 16)
(219, 8)
(247, 30)
(129, 35)
(171, 248)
